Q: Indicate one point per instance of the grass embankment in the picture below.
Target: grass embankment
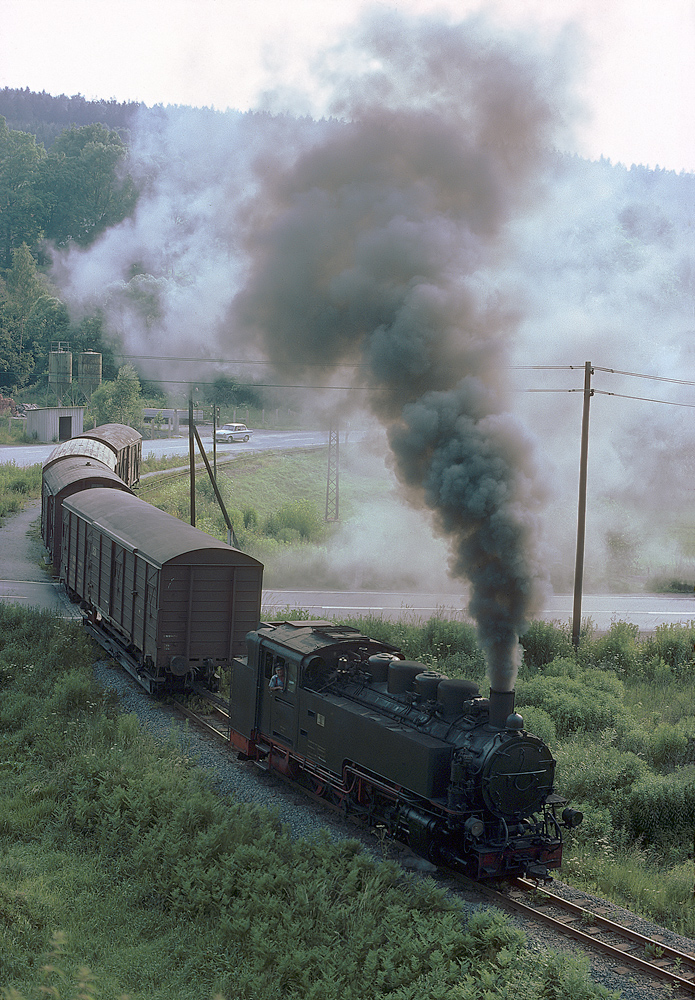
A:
(274, 499)
(121, 871)
(17, 485)
(620, 717)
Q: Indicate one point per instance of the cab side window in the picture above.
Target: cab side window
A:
(271, 661)
(291, 675)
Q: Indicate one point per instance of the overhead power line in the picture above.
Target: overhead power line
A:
(240, 361)
(645, 399)
(356, 365)
(654, 378)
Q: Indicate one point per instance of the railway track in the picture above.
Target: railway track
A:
(595, 931)
(591, 927)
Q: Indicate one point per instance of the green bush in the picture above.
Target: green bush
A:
(673, 645)
(250, 518)
(618, 650)
(595, 771)
(672, 746)
(654, 669)
(444, 636)
(17, 484)
(589, 702)
(295, 520)
(563, 666)
(662, 807)
(543, 642)
(538, 722)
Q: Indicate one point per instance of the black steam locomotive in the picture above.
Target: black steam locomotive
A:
(454, 775)
(425, 757)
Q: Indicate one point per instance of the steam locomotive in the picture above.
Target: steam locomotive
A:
(424, 757)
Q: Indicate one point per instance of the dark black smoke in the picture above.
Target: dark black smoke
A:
(369, 248)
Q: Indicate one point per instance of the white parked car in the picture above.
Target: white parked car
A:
(233, 432)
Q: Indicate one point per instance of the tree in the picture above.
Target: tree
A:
(48, 322)
(23, 288)
(227, 391)
(21, 208)
(24, 285)
(119, 402)
(85, 188)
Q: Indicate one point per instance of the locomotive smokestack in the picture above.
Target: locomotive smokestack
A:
(501, 707)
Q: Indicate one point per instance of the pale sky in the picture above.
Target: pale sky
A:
(635, 68)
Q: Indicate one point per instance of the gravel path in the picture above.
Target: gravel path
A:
(24, 575)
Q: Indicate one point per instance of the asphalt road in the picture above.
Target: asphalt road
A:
(261, 441)
(644, 610)
(24, 577)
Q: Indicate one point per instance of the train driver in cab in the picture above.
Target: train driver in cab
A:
(277, 681)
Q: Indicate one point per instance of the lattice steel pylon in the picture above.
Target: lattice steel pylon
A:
(332, 482)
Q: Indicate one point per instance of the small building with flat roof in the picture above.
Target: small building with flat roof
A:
(55, 423)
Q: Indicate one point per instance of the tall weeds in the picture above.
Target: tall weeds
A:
(123, 872)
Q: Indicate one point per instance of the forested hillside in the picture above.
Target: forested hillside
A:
(46, 116)
(68, 194)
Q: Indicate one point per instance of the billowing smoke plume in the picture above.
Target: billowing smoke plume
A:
(368, 249)
(426, 234)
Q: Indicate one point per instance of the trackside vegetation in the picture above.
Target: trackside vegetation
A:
(122, 871)
(17, 485)
(618, 714)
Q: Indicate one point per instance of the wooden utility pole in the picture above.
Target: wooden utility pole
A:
(581, 513)
(191, 457)
(215, 417)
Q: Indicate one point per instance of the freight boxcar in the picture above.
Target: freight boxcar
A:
(115, 445)
(65, 476)
(172, 603)
(126, 445)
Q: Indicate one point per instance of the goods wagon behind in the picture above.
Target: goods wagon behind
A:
(61, 479)
(116, 445)
(176, 600)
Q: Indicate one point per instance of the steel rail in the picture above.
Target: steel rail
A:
(657, 959)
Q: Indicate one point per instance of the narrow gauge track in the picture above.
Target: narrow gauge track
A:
(593, 929)
(589, 926)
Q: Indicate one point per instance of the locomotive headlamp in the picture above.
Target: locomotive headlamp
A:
(572, 817)
(474, 826)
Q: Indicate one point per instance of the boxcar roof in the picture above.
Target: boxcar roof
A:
(83, 446)
(157, 536)
(117, 435)
(72, 469)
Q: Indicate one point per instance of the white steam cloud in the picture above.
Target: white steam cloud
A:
(430, 233)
